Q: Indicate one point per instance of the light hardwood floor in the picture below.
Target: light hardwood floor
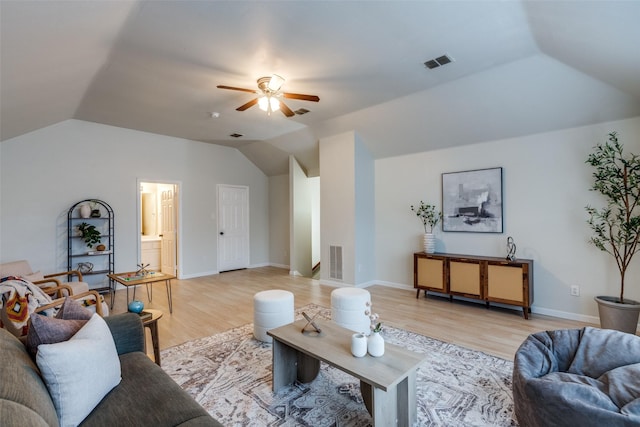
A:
(212, 304)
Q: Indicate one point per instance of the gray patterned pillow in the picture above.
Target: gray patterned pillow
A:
(50, 330)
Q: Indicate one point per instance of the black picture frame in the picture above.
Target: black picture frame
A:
(472, 201)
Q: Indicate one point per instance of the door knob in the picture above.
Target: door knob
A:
(222, 233)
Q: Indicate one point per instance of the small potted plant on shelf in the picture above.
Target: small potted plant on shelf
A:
(89, 233)
(429, 217)
(95, 210)
(616, 226)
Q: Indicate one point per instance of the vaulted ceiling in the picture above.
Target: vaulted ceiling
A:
(519, 67)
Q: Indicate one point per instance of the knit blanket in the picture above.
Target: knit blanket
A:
(19, 299)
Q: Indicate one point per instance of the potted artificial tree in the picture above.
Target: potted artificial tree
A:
(429, 217)
(616, 226)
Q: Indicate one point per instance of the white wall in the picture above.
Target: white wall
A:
(46, 171)
(314, 187)
(300, 227)
(545, 189)
(347, 216)
(365, 242)
(279, 221)
(337, 197)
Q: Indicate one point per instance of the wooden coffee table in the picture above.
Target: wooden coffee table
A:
(134, 279)
(387, 383)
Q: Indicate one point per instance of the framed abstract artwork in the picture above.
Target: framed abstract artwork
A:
(472, 201)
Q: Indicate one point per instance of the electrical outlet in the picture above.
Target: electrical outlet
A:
(575, 290)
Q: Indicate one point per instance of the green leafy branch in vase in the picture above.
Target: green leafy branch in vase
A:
(428, 215)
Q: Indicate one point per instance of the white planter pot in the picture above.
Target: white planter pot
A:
(358, 345)
(375, 344)
(429, 241)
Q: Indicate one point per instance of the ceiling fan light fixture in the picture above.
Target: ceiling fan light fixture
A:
(275, 82)
(268, 103)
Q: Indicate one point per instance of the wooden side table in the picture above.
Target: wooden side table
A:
(152, 324)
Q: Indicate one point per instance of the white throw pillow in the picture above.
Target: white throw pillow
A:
(81, 371)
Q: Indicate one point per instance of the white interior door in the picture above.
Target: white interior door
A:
(168, 255)
(233, 227)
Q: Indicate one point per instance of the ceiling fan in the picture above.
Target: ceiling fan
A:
(268, 93)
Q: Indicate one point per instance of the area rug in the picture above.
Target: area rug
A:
(229, 374)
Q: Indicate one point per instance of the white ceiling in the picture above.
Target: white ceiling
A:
(520, 68)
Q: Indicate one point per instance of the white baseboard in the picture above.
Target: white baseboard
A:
(195, 275)
(284, 266)
(566, 315)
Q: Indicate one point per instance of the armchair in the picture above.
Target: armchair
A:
(20, 299)
(82, 296)
(23, 269)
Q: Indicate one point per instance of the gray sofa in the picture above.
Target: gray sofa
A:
(578, 377)
(146, 395)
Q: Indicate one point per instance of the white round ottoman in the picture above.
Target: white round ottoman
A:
(349, 307)
(271, 309)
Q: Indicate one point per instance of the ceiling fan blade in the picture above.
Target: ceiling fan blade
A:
(248, 105)
(237, 88)
(301, 96)
(286, 110)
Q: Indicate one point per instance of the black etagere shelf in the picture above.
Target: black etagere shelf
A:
(96, 264)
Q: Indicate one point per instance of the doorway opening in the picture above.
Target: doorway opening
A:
(158, 226)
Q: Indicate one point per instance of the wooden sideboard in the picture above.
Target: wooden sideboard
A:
(488, 279)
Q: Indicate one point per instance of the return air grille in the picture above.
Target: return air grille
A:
(335, 262)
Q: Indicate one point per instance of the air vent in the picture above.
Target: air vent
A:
(437, 62)
(301, 111)
(335, 262)
(236, 135)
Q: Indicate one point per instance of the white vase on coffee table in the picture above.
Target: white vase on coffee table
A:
(375, 344)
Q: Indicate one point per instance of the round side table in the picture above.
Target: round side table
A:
(152, 324)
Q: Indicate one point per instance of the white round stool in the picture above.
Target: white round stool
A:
(349, 307)
(271, 309)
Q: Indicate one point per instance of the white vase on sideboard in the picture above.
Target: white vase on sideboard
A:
(429, 242)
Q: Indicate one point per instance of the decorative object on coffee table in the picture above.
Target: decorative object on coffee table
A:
(375, 342)
(359, 345)
(310, 322)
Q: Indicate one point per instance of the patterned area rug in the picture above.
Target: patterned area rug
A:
(229, 374)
